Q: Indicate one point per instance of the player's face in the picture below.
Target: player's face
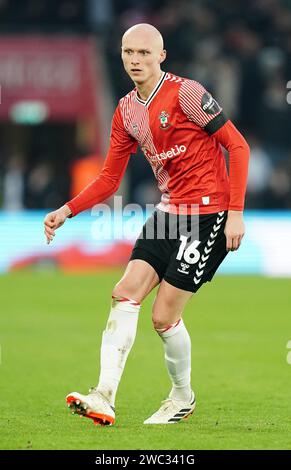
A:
(140, 62)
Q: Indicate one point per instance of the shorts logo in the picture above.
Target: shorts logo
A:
(164, 120)
(184, 266)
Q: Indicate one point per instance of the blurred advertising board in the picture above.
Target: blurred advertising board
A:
(91, 242)
(47, 78)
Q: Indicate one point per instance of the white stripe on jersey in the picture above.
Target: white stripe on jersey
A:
(173, 78)
(135, 113)
(190, 96)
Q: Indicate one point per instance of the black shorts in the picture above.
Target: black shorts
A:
(185, 250)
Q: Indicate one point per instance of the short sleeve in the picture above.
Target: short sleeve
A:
(200, 107)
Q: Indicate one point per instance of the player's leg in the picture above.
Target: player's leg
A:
(137, 282)
(117, 340)
(168, 323)
(191, 265)
(144, 272)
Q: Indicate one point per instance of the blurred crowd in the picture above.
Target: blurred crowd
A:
(239, 50)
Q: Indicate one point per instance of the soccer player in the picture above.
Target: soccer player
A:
(180, 128)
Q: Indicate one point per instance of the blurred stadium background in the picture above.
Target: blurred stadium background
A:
(61, 76)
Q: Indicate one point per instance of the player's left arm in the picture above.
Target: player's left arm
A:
(200, 107)
(239, 152)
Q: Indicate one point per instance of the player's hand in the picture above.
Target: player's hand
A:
(234, 230)
(54, 220)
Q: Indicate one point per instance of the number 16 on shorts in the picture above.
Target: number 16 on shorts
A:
(191, 254)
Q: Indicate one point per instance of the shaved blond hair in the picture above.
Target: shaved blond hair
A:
(144, 32)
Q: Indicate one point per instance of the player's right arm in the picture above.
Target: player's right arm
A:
(121, 146)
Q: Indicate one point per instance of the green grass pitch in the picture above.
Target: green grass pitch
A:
(50, 332)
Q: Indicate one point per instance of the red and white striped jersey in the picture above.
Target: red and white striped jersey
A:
(175, 128)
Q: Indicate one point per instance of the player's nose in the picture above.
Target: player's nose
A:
(134, 60)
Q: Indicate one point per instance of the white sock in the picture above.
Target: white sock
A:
(177, 346)
(117, 341)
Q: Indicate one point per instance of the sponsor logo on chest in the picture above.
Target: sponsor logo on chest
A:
(165, 154)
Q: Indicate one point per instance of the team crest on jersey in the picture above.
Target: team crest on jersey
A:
(163, 117)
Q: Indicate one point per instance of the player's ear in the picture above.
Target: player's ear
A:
(163, 56)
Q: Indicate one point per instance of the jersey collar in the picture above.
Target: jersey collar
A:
(154, 92)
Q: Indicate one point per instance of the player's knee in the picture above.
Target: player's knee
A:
(159, 323)
(162, 304)
(123, 290)
(162, 314)
(159, 319)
